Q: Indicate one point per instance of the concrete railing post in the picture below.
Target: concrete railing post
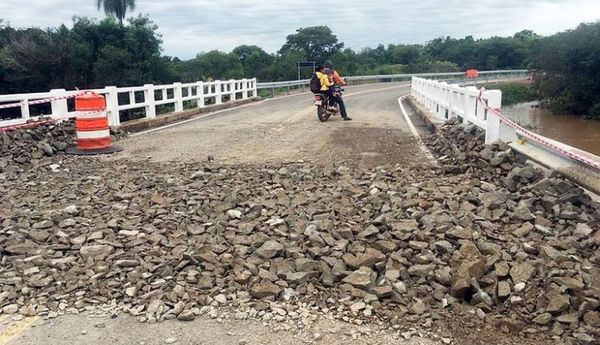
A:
(232, 89)
(59, 107)
(25, 115)
(219, 92)
(150, 101)
(178, 96)
(244, 88)
(200, 101)
(112, 105)
(494, 101)
(254, 88)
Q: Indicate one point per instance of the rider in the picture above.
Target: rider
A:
(335, 75)
(325, 75)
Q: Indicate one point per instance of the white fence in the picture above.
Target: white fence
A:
(146, 101)
(482, 108)
(449, 100)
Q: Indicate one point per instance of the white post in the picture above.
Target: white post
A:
(59, 107)
(492, 132)
(254, 88)
(150, 101)
(25, 110)
(178, 96)
(244, 88)
(200, 95)
(232, 89)
(112, 106)
(219, 92)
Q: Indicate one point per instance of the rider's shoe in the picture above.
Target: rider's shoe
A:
(347, 118)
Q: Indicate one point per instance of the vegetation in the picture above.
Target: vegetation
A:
(568, 66)
(97, 53)
(513, 93)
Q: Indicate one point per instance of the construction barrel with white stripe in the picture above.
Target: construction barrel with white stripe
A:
(91, 126)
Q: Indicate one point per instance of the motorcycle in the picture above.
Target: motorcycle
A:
(327, 107)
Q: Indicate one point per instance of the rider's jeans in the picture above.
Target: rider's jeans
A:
(339, 101)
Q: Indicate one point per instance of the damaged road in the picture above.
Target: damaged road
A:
(476, 248)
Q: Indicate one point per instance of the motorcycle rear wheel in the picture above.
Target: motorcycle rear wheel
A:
(322, 112)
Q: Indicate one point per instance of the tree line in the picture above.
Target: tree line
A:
(94, 53)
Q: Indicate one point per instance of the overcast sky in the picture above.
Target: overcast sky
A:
(193, 26)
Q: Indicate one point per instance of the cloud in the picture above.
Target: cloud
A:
(193, 26)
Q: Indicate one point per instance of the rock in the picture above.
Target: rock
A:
(186, 315)
(582, 230)
(400, 288)
(71, 209)
(522, 272)
(265, 289)
(543, 319)
(523, 230)
(418, 307)
(421, 270)
(358, 306)
(371, 230)
(557, 303)
(460, 233)
(234, 214)
(270, 249)
(94, 251)
(503, 289)
(363, 278)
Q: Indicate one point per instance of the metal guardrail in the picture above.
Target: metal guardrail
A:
(305, 82)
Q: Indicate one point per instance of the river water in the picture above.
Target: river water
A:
(571, 130)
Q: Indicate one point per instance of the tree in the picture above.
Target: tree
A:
(117, 8)
(254, 60)
(568, 69)
(316, 43)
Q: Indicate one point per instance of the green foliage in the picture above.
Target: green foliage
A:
(568, 70)
(117, 8)
(513, 93)
(91, 54)
(212, 65)
(315, 43)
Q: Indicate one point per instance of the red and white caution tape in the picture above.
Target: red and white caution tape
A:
(39, 101)
(538, 138)
(46, 121)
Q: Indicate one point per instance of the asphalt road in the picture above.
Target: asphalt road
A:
(287, 128)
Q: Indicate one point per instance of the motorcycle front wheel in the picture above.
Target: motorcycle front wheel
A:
(322, 112)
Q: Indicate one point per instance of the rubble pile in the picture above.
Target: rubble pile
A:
(31, 145)
(409, 246)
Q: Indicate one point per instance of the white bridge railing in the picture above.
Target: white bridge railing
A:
(145, 101)
(482, 108)
(450, 100)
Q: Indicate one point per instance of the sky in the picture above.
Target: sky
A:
(192, 26)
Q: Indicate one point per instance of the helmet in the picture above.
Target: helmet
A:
(328, 64)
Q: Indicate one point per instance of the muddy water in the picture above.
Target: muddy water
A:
(571, 130)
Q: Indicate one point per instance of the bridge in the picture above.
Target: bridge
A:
(256, 223)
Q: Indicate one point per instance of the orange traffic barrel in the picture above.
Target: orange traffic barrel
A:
(91, 126)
